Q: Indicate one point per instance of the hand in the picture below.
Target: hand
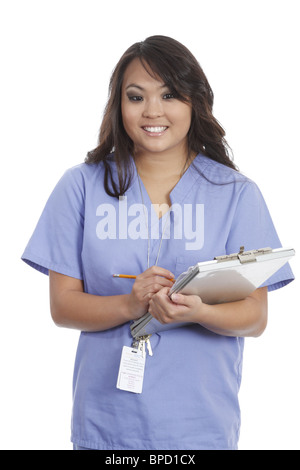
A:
(180, 308)
(146, 285)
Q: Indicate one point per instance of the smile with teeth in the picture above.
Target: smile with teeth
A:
(155, 130)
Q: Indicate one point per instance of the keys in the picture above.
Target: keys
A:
(150, 352)
(141, 344)
(142, 347)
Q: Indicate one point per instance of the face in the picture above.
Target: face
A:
(154, 119)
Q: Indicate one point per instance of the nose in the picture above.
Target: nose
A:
(153, 109)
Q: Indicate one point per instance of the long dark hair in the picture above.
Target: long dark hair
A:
(179, 70)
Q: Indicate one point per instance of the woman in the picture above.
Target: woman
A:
(160, 148)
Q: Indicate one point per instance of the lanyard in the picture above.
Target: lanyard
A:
(148, 231)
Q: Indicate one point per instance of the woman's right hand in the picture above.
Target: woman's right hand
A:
(71, 307)
(146, 285)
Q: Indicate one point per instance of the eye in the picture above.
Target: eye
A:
(169, 96)
(135, 98)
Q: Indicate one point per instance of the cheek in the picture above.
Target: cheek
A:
(184, 117)
(129, 119)
(184, 124)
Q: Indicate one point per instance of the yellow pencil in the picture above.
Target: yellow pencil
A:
(125, 276)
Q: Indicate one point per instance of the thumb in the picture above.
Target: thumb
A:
(179, 299)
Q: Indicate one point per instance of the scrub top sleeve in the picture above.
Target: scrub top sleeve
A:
(253, 228)
(56, 243)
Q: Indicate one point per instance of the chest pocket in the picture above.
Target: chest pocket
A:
(185, 261)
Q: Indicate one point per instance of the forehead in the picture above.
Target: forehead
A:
(137, 74)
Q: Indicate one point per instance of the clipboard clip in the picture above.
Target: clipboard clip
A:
(244, 256)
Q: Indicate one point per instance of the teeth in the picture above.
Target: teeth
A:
(155, 129)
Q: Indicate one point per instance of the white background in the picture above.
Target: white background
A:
(56, 61)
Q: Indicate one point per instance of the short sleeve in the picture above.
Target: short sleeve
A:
(56, 243)
(253, 228)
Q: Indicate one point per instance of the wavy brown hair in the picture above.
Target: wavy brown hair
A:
(179, 70)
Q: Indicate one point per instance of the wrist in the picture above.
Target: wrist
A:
(129, 308)
(204, 312)
(126, 307)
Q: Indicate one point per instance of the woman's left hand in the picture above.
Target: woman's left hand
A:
(180, 308)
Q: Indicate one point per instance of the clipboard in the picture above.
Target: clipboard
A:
(225, 279)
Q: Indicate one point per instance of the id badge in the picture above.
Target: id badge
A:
(131, 371)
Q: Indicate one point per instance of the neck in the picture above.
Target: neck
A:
(159, 165)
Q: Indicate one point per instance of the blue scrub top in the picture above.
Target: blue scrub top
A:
(191, 384)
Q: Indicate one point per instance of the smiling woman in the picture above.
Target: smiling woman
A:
(155, 121)
(168, 67)
(169, 152)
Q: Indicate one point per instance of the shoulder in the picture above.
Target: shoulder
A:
(82, 176)
(227, 183)
(217, 173)
(83, 171)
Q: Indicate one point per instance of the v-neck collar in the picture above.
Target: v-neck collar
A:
(178, 195)
(180, 191)
(158, 228)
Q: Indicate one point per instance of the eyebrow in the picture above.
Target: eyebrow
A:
(134, 85)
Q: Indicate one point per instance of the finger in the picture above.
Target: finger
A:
(159, 283)
(154, 284)
(157, 271)
(164, 293)
(161, 308)
(180, 299)
(161, 300)
(146, 293)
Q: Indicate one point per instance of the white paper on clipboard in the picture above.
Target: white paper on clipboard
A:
(224, 279)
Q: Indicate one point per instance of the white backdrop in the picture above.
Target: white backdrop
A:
(56, 61)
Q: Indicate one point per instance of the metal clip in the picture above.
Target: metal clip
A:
(244, 256)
